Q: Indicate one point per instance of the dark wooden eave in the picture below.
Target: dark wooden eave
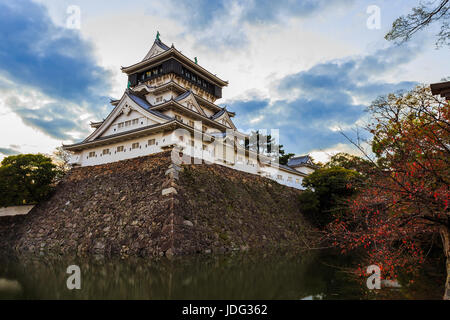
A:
(174, 53)
(442, 89)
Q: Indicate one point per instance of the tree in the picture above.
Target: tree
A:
(327, 190)
(348, 161)
(404, 27)
(26, 179)
(61, 159)
(265, 145)
(405, 196)
(284, 157)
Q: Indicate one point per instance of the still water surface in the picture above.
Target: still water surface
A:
(235, 276)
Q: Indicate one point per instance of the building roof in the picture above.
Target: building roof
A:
(442, 88)
(161, 44)
(126, 135)
(218, 114)
(287, 168)
(165, 55)
(142, 102)
(300, 161)
(183, 95)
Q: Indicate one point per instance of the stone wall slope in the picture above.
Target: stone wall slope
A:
(148, 206)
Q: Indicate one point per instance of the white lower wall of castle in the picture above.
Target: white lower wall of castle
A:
(143, 147)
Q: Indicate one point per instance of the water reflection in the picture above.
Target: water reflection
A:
(238, 276)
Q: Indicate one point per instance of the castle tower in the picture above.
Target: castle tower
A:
(169, 101)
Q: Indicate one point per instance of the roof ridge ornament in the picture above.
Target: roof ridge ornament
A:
(195, 60)
(157, 36)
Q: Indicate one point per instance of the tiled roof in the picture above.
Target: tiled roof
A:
(218, 114)
(289, 169)
(297, 161)
(144, 104)
(183, 95)
(161, 45)
(118, 134)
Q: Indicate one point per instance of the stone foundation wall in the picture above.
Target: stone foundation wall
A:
(148, 206)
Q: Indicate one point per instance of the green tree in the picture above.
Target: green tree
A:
(327, 190)
(349, 161)
(284, 157)
(26, 179)
(265, 145)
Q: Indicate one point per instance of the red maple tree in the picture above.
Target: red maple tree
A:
(405, 196)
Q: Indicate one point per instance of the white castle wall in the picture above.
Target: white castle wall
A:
(211, 154)
(142, 122)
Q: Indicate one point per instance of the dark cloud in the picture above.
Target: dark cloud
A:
(55, 61)
(9, 151)
(329, 95)
(55, 120)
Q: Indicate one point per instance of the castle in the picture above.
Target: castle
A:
(170, 104)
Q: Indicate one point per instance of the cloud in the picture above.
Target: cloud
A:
(36, 55)
(9, 151)
(321, 100)
(222, 22)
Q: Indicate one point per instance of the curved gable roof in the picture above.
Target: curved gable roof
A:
(157, 48)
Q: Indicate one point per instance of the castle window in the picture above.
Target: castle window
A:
(191, 123)
(204, 147)
(119, 148)
(91, 154)
(290, 179)
(279, 177)
(297, 180)
(135, 145)
(158, 99)
(178, 117)
(105, 151)
(181, 138)
(204, 128)
(151, 142)
(135, 121)
(120, 124)
(127, 123)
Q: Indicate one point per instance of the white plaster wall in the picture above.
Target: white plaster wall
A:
(166, 96)
(128, 153)
(305, 170)
(114, 128)
(208, 112)
(212, 154)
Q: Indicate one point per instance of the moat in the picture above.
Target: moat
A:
(317, 275)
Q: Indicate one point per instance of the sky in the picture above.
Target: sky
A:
(307, 68)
